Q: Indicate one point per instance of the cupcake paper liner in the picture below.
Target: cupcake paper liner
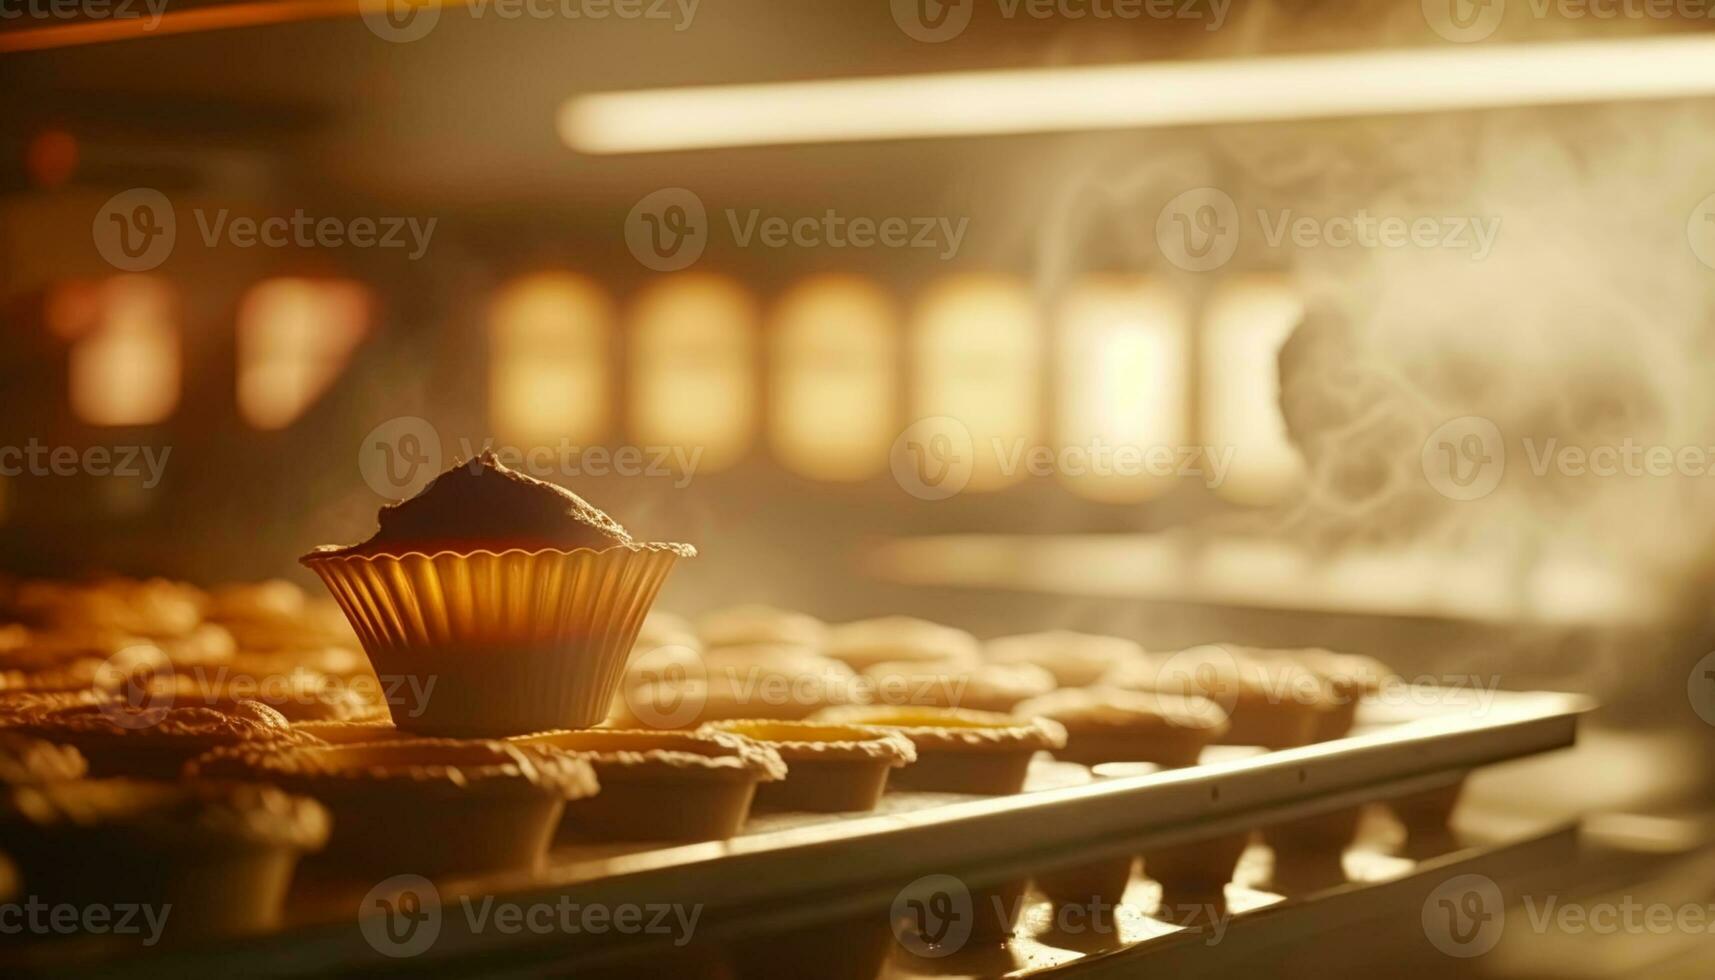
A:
(513, 642)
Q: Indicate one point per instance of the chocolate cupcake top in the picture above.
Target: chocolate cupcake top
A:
(483, 504)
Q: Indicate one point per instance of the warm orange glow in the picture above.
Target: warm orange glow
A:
(835, 378)
(977, 344)
(549, 345)
(51, 158)
(295, 336)
(125, 370)
(693, 369)
(1123, 386)
(1247, 322)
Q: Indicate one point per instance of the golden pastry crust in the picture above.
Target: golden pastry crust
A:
(348, 732)
(1075, 659)
(1112, 710)
(755, 623)
(981, 687)
(935, 729)
(26, 761)
(191, 812)
(456, 765)
(866, 642)
(243, 721)
(637, 754)
(799, 741)
(1275, 703)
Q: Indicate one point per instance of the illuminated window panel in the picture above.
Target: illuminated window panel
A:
(977, 352)
(295, 337)
(1123, 373)
(693, 369)
(550, 339)
(835, 354)
(125, 369)
(1247, 322)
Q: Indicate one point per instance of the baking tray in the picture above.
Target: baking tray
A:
(790, 870)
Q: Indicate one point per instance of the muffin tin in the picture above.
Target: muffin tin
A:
(790, 871)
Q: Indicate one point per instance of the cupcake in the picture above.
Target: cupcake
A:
(682, 786)
(829, 768)
(978, 686)
(154, 742)
(519, 600)
(960, 751)
(423, 806)
(1075, 659)
(1107, 725)
(899, 638)
(220, 857)
(759, 624)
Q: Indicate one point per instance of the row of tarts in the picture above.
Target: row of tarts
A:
(160, 744)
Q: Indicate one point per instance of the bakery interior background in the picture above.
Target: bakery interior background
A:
(522, 283)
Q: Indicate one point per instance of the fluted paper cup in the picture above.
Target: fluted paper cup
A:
(485, 643)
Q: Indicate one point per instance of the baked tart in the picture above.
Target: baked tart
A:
(521, 601)
(719, 688)
(209, 858)
(422, 806)
(1111, 725)
(829, 768)
(348, 732)
(958, 750)
(1274, 703)
(683, 786)
(868, 642)
(1075, 659)
(978, 686)
(153, 742)
(26, 761)
(760, 624)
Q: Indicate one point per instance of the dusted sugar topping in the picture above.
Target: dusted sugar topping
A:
(195, 811)
(483, 504)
